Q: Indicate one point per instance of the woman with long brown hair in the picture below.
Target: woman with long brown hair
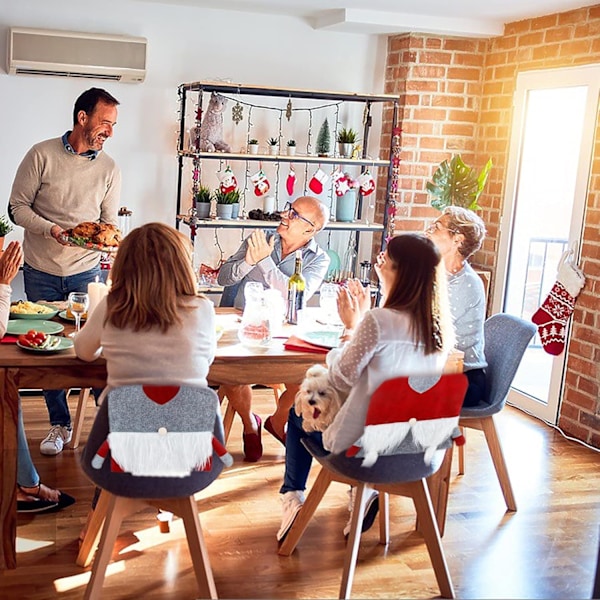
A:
(410, 334)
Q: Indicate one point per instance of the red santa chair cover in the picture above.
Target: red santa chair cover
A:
(427, 408)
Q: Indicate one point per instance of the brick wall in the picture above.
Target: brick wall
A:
(457, 98)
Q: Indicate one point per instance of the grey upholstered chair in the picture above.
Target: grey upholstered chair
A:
(124, 493)
(406, 474)
(506, 339)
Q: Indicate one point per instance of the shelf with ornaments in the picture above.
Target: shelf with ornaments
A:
(218, 120)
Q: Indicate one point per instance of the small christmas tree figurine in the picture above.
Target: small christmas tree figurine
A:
(324, 139)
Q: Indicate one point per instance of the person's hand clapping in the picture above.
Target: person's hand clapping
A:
(362, 294)
(348, 308)
(258, 247)
(10, 261)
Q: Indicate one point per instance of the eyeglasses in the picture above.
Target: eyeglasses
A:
(439, 226)
(294, 214)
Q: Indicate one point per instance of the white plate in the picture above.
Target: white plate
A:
(219, 330)
(21, 326)
(327, 339)
(65, 344)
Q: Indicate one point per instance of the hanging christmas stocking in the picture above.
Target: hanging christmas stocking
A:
(366, 183)
(341, 182)
(551, 318)
(290, 182)
(261, 183)
(228, 180)
(317, 181)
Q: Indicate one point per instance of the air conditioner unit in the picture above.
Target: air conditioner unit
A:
(75, 54)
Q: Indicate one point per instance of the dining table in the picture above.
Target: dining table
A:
(234, 363)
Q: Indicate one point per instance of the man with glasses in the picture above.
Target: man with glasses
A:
(269, 258)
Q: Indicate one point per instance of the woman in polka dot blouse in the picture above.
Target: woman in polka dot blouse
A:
(458, 233)
(411, 334)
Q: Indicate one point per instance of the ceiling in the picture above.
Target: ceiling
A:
(461, 18)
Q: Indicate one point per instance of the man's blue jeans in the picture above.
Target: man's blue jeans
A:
(298, 459)
(43, 286)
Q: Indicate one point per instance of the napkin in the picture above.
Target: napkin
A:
(295, 343)
(9, 339)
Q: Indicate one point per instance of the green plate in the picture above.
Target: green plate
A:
(20, 326)
(327, 339)
(37, 316)
(65, 344)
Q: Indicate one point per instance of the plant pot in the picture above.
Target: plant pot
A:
(252, 148)
(345, 150)
(291, 150)
(224, 211)
(235, 210)
(203, 210)
(273, 150)
(345, 207)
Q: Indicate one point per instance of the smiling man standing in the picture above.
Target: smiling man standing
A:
(60, 183)
(269, 259)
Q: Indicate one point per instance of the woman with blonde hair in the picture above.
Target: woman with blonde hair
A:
(152, 309)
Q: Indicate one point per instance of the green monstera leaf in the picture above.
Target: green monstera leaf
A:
(455, 183)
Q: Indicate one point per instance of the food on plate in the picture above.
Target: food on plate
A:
(102, 234)
(70, 315)
(30, 308)
(38, 340)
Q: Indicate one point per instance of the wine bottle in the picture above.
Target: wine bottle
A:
(296, 285)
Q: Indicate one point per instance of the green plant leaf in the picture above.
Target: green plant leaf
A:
(455, 184)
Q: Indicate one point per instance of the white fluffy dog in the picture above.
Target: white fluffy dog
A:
(317, 401)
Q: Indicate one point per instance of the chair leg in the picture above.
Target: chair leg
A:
(439, 488)
(118, 508)
(94, 529)
(187, 509)
(491, 435)
(227, 417)
(313, 499)
(384, 518)
(461, 453)
(428, 528)
(84, 394)
(358, 513)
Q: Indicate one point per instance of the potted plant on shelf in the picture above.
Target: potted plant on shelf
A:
(273, 144)
(5, 229)
(455, 184)
(346, 138)
(291, 147)
(253, 146)
(226, 202)
(203, 199)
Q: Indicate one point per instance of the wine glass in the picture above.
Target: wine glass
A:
(79, 302)
(328, 301)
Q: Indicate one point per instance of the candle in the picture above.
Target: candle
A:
(96, 291)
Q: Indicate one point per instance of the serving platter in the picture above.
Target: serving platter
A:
(81, 243)
(36, 316)
(21, 326)
(63, 344)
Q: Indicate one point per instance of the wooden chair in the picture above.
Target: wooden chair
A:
(404, 473)
(82, 401)
(506, 339)
(124, 493)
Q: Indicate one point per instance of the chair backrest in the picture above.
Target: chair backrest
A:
(506, 339)
(411, 415)
(164, 441)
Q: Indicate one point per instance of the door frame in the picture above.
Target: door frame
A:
(588, 75)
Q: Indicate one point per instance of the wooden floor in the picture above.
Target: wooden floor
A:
(547, 549)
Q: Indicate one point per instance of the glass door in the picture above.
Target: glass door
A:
(547, 180)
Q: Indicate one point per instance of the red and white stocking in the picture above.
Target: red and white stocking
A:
(366, 183)
(551, 318)
(261, 183)
(228, 180)
(341, 182)
(317, 181)
(290, 182)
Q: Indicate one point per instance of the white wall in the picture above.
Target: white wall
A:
(184, 44)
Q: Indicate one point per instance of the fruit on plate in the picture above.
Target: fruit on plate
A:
(38, 340)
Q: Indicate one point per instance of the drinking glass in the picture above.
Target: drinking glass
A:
(79, 302)
(328, 301)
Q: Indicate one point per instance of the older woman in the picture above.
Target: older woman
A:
(458, 233)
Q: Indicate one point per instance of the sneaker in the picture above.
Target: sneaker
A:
(56, 439)
(371, 510)
(291, 504)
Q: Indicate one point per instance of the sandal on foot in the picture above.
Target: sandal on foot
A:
(253, 449)
(269, 427)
